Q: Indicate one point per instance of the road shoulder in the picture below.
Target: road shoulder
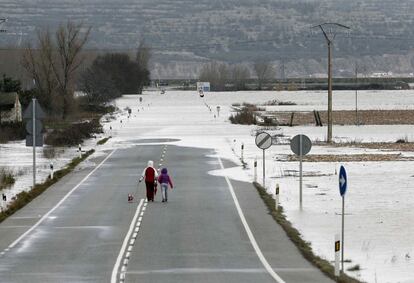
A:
(280, 252)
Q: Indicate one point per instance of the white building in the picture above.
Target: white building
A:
(10, 107)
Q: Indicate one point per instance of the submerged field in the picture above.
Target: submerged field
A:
(379, 212)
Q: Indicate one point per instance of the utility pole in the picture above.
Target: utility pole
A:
(329, 31)
(1, 23)
(356, 94)
(282, 69)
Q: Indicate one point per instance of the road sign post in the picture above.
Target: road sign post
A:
(33, 114)
(337, 253)
(242, 151)
(277, 197)
(300, 168)
(343, 183)
(264, 168)
(51, 170)
(300, 145)
(255, 169)
(263, 141)
(34, 141)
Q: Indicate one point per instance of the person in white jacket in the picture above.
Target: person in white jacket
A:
(150, 175)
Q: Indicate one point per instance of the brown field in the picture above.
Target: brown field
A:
(349, 157)
(366, 117)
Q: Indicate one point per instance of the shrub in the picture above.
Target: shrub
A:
(103, 141)
(6, 179)
(253, 107)
(279, 103)
(96, 108)
(402, 140)
(12, 131)
(354, 268)
(49, 152)
(74, 134)
(243, 117)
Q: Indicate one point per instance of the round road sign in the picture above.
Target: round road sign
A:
(343, 182)
(299, 141)
(263, 140)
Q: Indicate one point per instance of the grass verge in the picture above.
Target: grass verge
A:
(294, 235)
(103, 141)
(24, 197)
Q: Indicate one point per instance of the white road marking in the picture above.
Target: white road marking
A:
(198, 271)
(256, 247)
(59, 203)
(127, 255)
(124, 244)
(134, 236)
(132, 242)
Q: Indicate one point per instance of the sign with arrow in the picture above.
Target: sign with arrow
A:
(342, 181)
(343, 184)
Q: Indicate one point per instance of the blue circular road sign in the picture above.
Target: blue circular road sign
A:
(342, 181)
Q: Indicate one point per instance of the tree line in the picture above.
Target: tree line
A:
(223, 76)
(54, 64)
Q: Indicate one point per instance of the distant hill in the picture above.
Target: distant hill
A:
(185, 33)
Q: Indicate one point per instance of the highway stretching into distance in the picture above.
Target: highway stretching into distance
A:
(212, 229)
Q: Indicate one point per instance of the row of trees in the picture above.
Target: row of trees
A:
(220, 74)
(55, 66)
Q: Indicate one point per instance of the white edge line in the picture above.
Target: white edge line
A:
(124, 244)
(256, 247)
(59, 203)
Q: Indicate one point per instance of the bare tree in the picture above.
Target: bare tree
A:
(143, 55)
(38, 64)
(215, 73)
(53, 65)
(70, 39)
(240, 74)
(264, 71)
(143, 61)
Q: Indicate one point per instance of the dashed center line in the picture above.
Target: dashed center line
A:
(124, 247)
(127, 247)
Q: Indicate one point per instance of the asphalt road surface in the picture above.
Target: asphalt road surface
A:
(211, 230)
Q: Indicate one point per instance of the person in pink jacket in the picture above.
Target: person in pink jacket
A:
(165, 180)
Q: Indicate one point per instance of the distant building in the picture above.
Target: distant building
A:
(203, 86)
(10, 107)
